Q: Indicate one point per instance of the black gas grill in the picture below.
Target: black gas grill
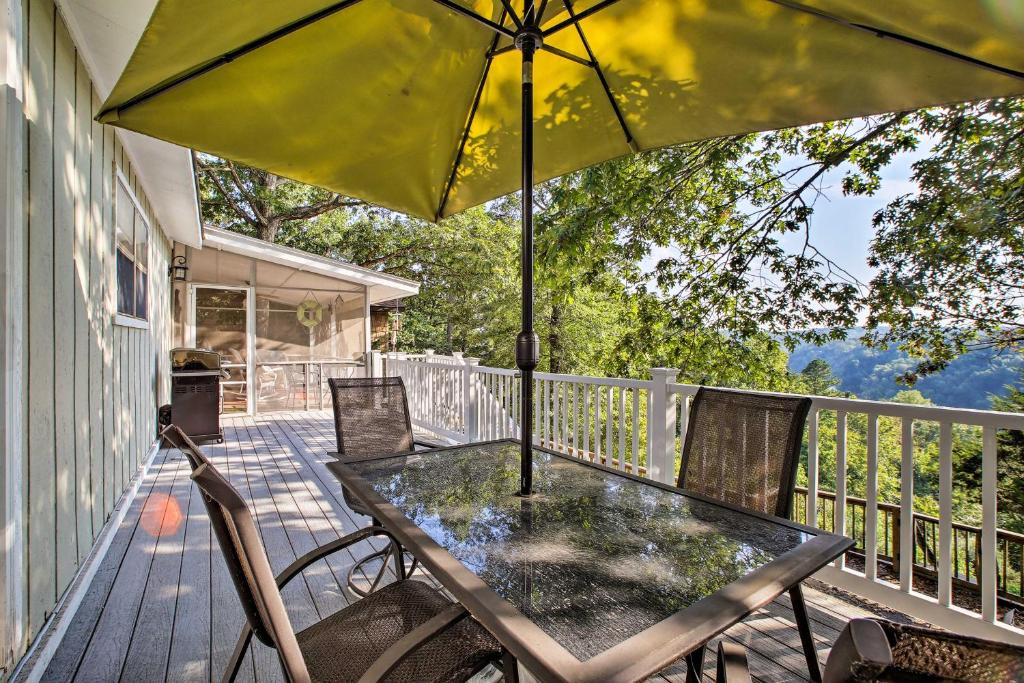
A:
(195, 393)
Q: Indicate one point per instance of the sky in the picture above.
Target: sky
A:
(841, 225)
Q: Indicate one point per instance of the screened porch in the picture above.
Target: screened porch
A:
(283, 321)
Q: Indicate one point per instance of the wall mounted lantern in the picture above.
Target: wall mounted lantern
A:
(179, 270)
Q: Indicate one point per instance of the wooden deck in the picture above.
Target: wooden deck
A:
(161, 605)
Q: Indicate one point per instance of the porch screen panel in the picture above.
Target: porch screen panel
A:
(309, 327)
(302, 338)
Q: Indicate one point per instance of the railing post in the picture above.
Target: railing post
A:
(663, 417)
(374, 364)
(469, 399)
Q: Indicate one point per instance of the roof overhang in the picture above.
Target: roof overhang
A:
(105, 33)
(380, 286)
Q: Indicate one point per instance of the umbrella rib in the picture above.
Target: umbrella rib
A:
(540, 12)
(459, 9)
(469, 124)
(604, 4)
(907, 40)
(570, 56)
(228, 57)
(512, 13)
(630, 141)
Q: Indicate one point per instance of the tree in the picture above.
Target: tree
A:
(951, 272)
(259, 203)
(819, 377)
(1010, 465)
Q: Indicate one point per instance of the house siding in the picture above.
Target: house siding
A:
(93, 387)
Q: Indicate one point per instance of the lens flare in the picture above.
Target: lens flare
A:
(161, 515)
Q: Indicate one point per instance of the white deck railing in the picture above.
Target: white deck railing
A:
(640, 426)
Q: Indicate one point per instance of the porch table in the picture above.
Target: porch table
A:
(600, 575)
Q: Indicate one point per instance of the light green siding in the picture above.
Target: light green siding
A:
(93, 387)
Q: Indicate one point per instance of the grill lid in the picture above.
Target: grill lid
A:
(185, 360)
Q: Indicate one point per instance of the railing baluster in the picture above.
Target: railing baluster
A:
(609, 449)
(537, 411)
(906, 559)
(649, 449)
(586, 418)
(636, 433)
(486, 408)
(812, 468)
(622, 428)
(517, 402)
(597, 423)
(944, 569)
(496, 406)
(556, 412)
(575, 421)
(987, 560)
(871, 507)
(545, 397)
(840, 509)
(566, 428)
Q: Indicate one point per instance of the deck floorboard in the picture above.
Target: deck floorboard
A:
(162, 606)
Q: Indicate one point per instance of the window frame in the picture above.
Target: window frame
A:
(122, 318)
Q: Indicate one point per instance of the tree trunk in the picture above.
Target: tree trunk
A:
(555, 351)
(268, 231)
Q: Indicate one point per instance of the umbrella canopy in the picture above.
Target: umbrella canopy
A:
(405, 104)
(427, 106)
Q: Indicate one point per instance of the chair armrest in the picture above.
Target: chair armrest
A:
(732, 664)
(862, 648)
(312, 556)
(408, 643)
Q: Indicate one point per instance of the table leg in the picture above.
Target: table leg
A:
(695, 665)
(803, 624)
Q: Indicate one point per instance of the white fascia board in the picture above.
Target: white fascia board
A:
(105, 33)
(380, 286)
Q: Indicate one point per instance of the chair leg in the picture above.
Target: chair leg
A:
(695, 665)
(235, 663)
(803, 624)
(509, 667)
(385, 555)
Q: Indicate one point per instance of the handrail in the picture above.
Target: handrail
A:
(641, 426)
(965, 416)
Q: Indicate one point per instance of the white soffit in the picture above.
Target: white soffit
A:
(105, 33)
(380, 286)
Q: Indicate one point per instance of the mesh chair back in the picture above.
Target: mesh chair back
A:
(744, 448)
(371, 415)
(245, 556)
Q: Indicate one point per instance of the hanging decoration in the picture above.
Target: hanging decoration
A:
(310, 312)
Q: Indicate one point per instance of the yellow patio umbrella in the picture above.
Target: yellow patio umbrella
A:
(429, 107)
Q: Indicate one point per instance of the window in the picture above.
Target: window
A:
(132, 255)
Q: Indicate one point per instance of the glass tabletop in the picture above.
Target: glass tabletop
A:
(593, 557)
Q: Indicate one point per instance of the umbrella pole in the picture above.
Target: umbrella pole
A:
(527, 343)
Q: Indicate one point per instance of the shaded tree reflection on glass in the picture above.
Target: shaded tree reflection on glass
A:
(593, 558)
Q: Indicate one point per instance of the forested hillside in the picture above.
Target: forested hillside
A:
(968, 382)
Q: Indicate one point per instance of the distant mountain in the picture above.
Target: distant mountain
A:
(968, 382)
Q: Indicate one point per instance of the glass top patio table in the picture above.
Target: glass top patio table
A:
(596, 559)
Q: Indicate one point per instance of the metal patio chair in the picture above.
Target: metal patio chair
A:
(405, 631)
(371, 417)
(880, 650)
(743, 449)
